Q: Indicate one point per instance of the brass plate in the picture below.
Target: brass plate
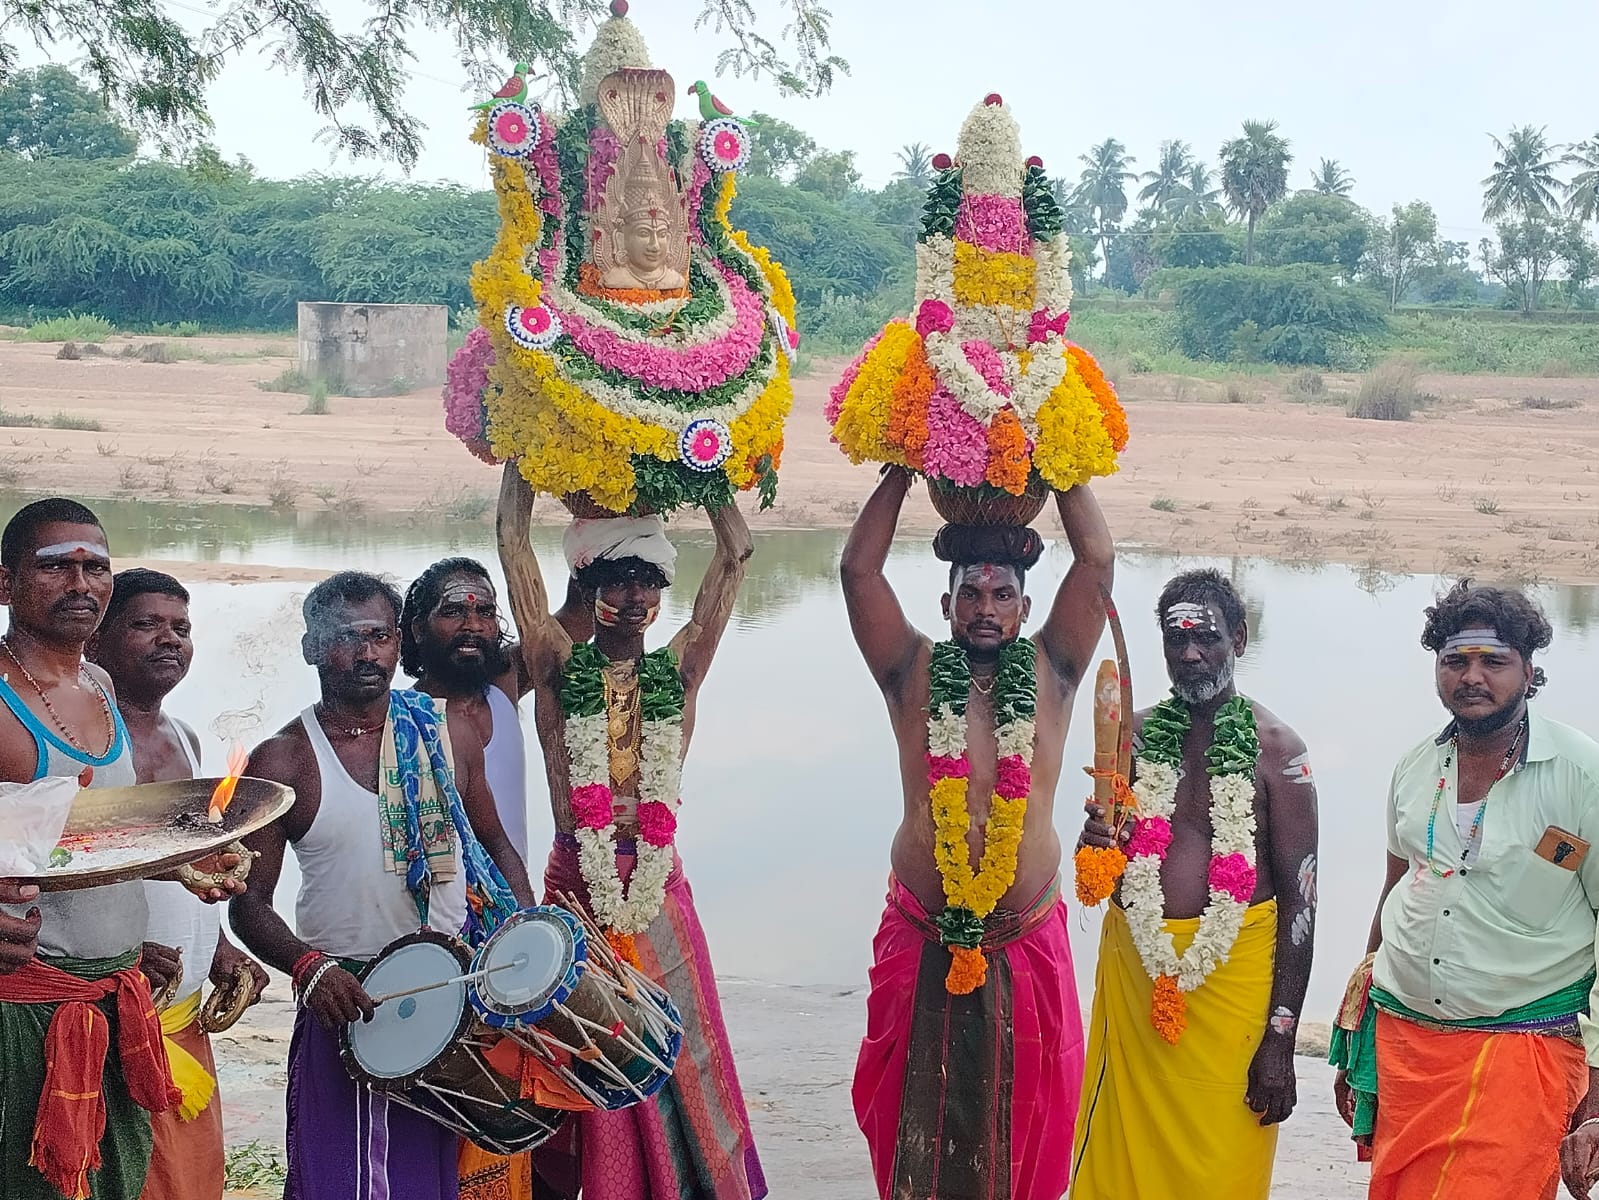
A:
(171, 814)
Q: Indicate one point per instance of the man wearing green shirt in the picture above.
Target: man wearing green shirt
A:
(1460, 1043)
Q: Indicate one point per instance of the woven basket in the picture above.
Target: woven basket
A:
(582, 506)
(972, 506)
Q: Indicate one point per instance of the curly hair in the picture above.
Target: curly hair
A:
(1203, 586)
(1519, 622)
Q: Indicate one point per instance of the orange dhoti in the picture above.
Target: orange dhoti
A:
(1471, 1114)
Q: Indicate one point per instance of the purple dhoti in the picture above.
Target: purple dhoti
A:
(349, 1143)
(691, 1141)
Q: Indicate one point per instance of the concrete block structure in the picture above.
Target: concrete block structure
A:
(373, 349)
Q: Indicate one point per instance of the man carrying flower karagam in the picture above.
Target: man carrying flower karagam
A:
(1206, 950)
(968, 1077)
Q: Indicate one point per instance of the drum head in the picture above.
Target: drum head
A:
(407, 1034)
(531, 963)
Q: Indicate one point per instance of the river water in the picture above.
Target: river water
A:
(790, 792)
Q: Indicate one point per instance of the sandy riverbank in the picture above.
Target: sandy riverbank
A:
(1478, 482)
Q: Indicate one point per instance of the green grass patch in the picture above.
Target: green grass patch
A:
(62, 420)
(75, 327)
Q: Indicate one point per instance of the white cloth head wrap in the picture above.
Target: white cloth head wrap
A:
(619, 537)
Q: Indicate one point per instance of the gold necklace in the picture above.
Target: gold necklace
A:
(985, 691)
(66, 732)
(621, 694)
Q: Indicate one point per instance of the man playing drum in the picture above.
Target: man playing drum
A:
(144, 645)
(614, 723)
(392, 830)
(73, 1121)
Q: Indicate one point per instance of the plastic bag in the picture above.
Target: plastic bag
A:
(32, 816)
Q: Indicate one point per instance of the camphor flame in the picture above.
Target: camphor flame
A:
(223, 796)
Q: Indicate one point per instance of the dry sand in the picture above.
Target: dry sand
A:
(1478, 482)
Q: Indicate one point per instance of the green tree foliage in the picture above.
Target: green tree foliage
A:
(1579, 259)
(1523, 182)
(1447, 277)
(915, 165)
(1522, 256)
(1169, 179)
(1300, 314)
(158, 242)
(1330, 179)
(1582, 191)
(829, 173)
(1401, 247)
(778, 149)
(1254, 175)
(156, 69)
(1314, 228)
(47, 113)
(1102, 188)
(1211, 243)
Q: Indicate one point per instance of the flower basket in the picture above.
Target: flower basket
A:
(986, 505)
(584, 507)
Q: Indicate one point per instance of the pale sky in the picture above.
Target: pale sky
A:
(1403, 92)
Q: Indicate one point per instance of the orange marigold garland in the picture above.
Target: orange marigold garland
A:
(907, 413)
(1008, 462)
(1097, 869)
(1168, 1009)
(625, 948)
(1110, 408)
(968, 971)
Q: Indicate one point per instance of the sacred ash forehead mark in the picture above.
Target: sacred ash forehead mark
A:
(985, 572)
(461, 592)
(64, 549)
(1476, 641)
(1185, 616)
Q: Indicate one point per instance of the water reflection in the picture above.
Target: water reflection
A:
(791, 793)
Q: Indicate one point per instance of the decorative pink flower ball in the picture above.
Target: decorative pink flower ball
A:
(942, 162)
(591, 805)
(993, 100)
(1035, 161)
(1014, 780)
(657, 824)
(934, 316)
(1232, 874)
(1151, 835)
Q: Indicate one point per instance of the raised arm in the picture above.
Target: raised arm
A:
(696, 642)
(1071, 632)
(1291, 849)
(888, 642)
(544, 644)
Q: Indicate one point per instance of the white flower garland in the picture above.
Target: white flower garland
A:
(966, 384)
(989, 147)
(1232, 815)
(682, 339)
(627, 910)
(626, 403)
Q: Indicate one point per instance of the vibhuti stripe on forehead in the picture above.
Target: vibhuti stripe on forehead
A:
(1476, 641)
(467, 593)
(1184, 615)
(62, 549)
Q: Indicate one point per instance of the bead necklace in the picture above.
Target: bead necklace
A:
(66, 731)
(1482, 808)
(358, 731)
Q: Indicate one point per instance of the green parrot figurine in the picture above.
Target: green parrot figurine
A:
(514, 89)
(711, 108)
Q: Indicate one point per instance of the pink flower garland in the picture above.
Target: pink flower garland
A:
(941, 766)
(592, 805)
(657, 824)
(465, 378)
(698, 180)
(994, 223)
(1232, 874)
(1151, 835)
(604, 150)
(986, 362)
(957, 445)
(692, 369)
(548, 167)
(1015, 778)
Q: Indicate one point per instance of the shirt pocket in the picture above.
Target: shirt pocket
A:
(1535, 892)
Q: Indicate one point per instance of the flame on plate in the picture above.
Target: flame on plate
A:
(223, 796)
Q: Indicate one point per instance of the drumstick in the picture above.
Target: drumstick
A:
(519, 961)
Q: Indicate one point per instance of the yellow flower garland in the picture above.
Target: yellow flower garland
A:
(863, 418)
(994, 277)
(1073, 445)
(978, 891)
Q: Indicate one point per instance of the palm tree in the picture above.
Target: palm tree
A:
(1582, 193)
(1167, 179)
(1330, 179)
(1196, 199)
(1103, 188)
(1523, 182)
(916, 164)
(1254, 174)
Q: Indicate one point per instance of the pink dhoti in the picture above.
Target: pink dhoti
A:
(971, 1097)
(691, 1141)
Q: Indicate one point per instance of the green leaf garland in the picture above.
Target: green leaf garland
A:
(1235, 743)
(583, 684)
(1045, 219)
(942, 205)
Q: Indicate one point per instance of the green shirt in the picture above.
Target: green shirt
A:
(1514, 927)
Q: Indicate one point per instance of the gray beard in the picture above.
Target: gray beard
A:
(1203, 693)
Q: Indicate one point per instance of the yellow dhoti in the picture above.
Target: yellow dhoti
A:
(1158, 1120)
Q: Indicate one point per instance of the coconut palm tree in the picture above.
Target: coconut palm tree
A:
(1254, 174)
(1166, 180)
(916, 164)
(1523, 182)
(1197, 200)
(1330, 179)
(1103, 188)
(1582, 193)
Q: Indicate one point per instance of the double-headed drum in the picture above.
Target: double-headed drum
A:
(604, 1029)
(425, 1048)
